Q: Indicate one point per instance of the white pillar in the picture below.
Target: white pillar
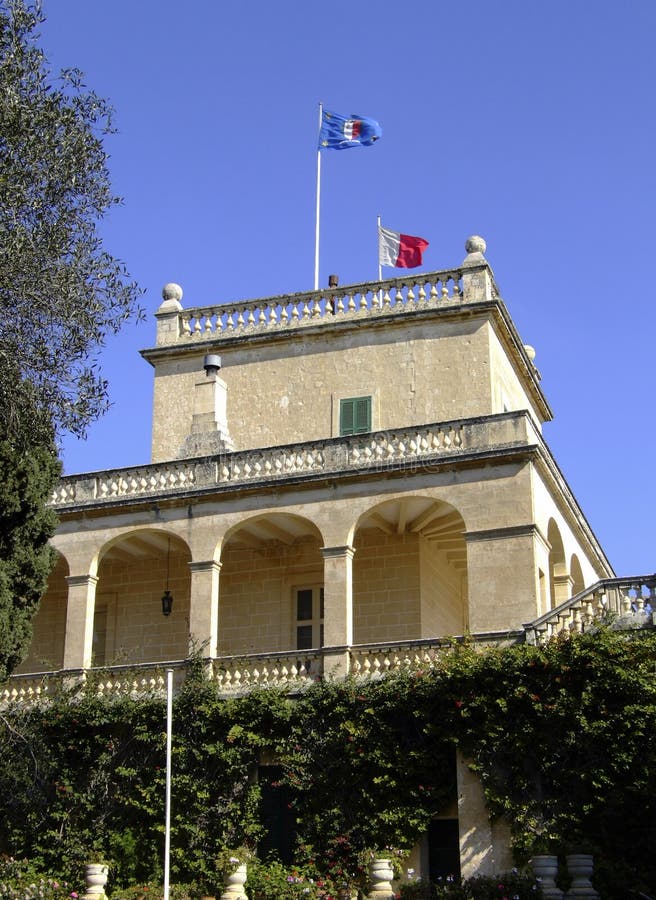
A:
(78, 641)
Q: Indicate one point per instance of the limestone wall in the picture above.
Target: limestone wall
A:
(386, 588)
(287, 390)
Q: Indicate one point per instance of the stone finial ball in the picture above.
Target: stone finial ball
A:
(475, 244)
(172, 291)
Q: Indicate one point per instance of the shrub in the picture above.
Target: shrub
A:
(19, 880)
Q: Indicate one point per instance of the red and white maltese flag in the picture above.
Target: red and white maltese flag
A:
(403, 251)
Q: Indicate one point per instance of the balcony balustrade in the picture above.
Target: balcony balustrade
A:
(628, 601)
(392, 448)
(291, 670)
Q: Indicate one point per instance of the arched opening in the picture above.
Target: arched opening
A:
(559, 579)
(409, 571)
(578, 584)
(271, 594)
(46, 652)
(133, 573)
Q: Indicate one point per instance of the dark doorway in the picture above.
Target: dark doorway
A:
(276, 816)
(443, 849)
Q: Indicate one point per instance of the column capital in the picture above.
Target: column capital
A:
(81, 580)
(343, 552)
(206, 565)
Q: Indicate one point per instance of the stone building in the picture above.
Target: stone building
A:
(339, 481)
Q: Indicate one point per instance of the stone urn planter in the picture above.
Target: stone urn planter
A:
(545, 867)
(580, 866)
(381, 874)
(95, 877)
(234, 884)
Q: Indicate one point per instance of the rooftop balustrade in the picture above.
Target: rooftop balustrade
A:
(367, 300)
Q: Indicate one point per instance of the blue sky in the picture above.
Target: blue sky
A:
(529, 123)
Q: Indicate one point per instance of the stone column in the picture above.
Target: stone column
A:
(78, 642)
(338, 608)
(204, 607)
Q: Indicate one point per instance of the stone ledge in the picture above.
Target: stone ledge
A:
(362, 455)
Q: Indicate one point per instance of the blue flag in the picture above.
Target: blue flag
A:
(341, 132)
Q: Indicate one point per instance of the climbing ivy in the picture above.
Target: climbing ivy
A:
(560, 735)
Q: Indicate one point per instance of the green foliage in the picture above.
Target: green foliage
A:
(27, 477)
(61, 292)
(273, 881)
(561, 736)
(19, 880)
(367, 763)
(154, 891)
(510, 886)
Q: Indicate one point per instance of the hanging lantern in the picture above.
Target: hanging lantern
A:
(167, 602)
(167, 596)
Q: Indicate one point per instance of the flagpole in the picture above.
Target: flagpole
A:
(316, 224)
(167, 825)
(380, 268)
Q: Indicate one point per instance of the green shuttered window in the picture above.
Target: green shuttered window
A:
(355, 415)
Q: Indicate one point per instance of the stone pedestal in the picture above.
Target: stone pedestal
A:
(234, 886)
(381, 874)
(546, 869)
(580, 867)
(95, 877)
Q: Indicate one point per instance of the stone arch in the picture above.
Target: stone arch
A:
(559, 580)
(134, 569)
(266, 560)
(49, 624)
(576, 572)
(409, 571)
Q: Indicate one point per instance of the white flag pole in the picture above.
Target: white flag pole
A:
(167, 826)
(316, 225)
(380, 268)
